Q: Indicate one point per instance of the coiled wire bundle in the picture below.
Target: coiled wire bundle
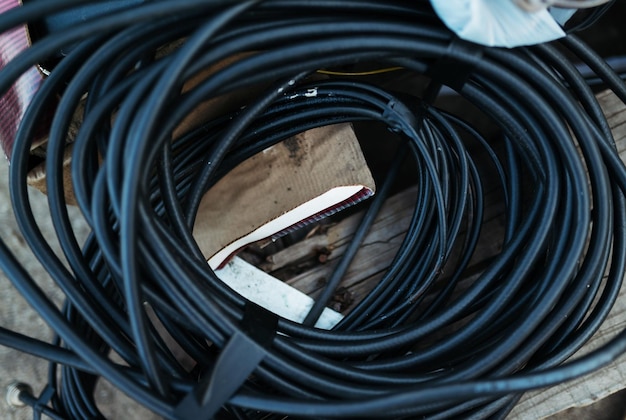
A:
(538, 301)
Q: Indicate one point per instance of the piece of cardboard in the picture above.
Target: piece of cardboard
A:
(284, 178)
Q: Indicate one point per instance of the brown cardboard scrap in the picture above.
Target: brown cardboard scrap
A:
(276, 181)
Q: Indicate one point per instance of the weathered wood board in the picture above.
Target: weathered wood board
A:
(591, 388)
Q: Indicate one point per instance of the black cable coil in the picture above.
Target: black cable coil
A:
(536, 303)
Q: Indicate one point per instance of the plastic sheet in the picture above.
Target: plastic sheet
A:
(497, 23)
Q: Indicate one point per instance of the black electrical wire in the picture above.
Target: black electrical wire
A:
(425, 341)
(589, 18)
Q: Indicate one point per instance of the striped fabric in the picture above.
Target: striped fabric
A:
(362, 195)
(13, 104)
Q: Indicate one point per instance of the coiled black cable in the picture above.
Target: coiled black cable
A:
(418, 344)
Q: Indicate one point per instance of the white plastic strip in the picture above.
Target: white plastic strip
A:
(272, 294)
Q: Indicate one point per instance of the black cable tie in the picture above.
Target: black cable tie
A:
(243, 353)
(38, 404)
(397, 116)
(452, 71)
(431, 93)
(259, 324)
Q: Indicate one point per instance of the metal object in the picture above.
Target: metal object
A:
(14, 390)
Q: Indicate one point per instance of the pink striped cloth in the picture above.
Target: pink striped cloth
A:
(14, 103)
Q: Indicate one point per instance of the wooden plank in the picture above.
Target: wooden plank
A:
(601, 384)
(378, 249)
(383, 242)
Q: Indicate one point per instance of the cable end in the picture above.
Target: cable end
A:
(14, 392)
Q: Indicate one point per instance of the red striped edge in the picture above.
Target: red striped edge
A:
(363, 194)
(13, 103)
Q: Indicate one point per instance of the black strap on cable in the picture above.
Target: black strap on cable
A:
(397, 115)
(42, 402)
(453, 71)
(245, 350)
(259, 324)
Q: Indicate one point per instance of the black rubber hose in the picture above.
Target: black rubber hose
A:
(427, 340)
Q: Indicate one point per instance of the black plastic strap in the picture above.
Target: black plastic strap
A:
(431, 92)
(40, 404)
(259, 324)
(396, 115)
(245, 350)
(452, 71)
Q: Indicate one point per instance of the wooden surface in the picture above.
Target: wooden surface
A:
(307, 263)
(605, 382)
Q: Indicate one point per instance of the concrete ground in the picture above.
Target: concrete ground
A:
(17, 315)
